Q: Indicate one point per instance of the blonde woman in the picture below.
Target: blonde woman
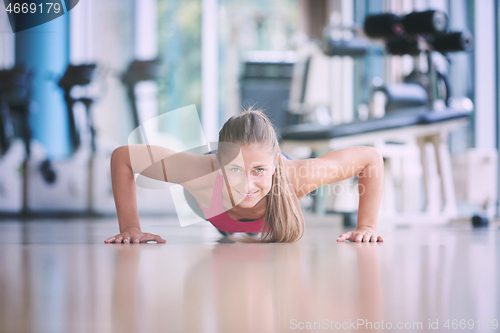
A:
(248, 186)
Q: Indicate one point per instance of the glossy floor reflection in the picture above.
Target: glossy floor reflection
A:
(59, 276)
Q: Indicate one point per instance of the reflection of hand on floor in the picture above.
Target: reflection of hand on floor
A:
(362, 234)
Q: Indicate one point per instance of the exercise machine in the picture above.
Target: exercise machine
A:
(139, 71)
(65, 185)
(410, 115)
(415, 34)
(15, 138)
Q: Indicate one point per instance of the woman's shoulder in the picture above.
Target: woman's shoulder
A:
(296, 172)
(203, 173)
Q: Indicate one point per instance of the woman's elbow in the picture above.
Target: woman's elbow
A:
(377, 157)
(120, 155)
(375, 164)
(375, 167)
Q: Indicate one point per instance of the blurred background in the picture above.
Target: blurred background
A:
(418, 79)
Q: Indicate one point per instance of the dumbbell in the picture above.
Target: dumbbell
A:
(383, 25)
(452, 42)
(428, 22)
(479, 221)
(401, 46)
(392, 25)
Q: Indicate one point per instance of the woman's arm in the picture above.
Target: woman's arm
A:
(370, 184)
(367, 163)
(123, 182)
(191, 170)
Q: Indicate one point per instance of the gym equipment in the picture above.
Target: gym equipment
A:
(413, 34)
(401, 46)
(354, 47)
(313, 132)
(383, 25)
(412, 114)
(349, 219)
(427, 22)
(476, 182)
(424, 127)
(452, 42)
(15, 137)
(390, 25)
(65, 185)
(402, 96)
(265, 83)
(139, 71)
(78, 76)
(148, 202)
(479, 221)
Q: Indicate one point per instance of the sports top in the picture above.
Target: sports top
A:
(222, 221)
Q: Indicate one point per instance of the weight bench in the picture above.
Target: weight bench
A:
(416, 127)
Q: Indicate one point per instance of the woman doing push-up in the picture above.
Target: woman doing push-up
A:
(248, 185)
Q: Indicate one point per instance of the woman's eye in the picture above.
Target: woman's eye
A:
(235, 170)
(259, 170)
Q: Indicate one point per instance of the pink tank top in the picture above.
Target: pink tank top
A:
(222, 221)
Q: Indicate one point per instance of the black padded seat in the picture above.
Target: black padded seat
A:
(309, 132)
(437, 116)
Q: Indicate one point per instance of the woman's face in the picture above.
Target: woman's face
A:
(250, 175)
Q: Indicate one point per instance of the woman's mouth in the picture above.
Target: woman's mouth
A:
(248, 195)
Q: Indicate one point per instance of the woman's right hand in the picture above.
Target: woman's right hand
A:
(134, 235)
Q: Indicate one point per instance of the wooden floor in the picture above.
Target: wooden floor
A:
(59, 276)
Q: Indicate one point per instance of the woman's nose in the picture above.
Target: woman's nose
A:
(250, 182)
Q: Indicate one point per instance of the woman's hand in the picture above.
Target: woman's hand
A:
(362, 234)
(134, 235)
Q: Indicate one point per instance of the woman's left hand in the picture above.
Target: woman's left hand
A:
(362, 234)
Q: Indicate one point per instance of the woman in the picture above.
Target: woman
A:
(249, 186)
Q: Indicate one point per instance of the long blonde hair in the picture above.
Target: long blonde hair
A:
(283, 221)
